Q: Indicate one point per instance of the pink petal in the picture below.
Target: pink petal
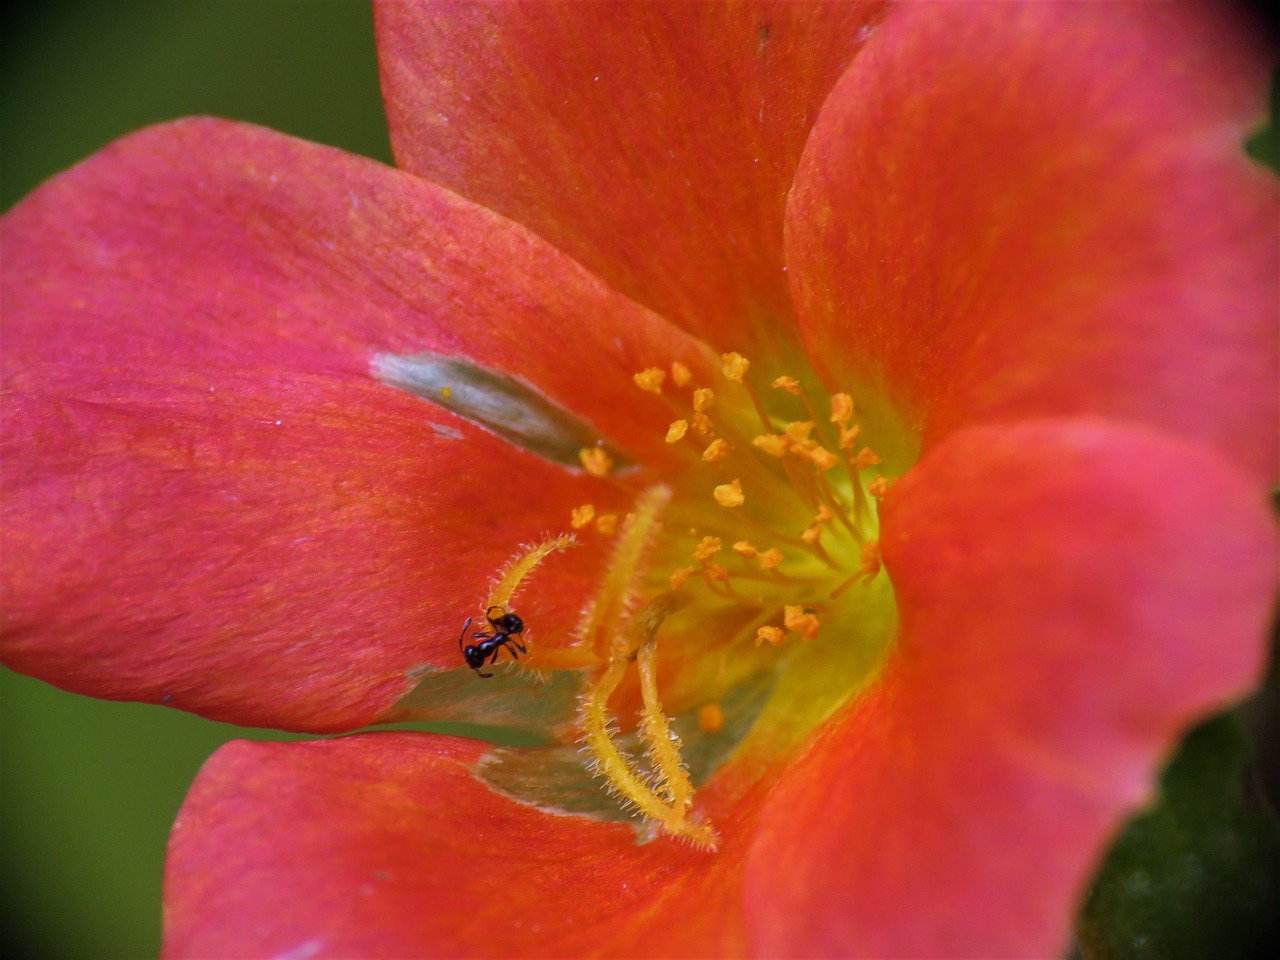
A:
(1073, 595)
(654, 142)
(1015, 210)
(209, 500)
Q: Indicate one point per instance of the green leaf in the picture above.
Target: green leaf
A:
(1198, 875)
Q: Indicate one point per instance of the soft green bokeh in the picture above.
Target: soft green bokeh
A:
(88, 789)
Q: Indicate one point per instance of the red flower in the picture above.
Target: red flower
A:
(1006, 268)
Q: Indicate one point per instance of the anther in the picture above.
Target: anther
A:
(650, 380)
(802, 621)
(581, 516)
(789, 384)
(774, 635)
(729, 494)
(680, 374)
(735, 366)
(677, 430)
(716, 451)
(595, 461)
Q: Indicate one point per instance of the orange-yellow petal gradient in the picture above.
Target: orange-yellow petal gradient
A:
(1009, 210)
(653, 142)
(1073, 595)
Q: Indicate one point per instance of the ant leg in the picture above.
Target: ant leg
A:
(518, 645)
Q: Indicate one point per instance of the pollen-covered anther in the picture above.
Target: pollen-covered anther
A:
(798, 431)
(713, 571)
(849, 436)
(841, 408)
(716, 450)
(729, 494)
(707, 548)
(680, 374)
(812, 534)
(769, 559)
(774, 635)
(789, 384)
(702, 425)
(815, 453)
(607, 524)
(771, 443)
(870, 560)
(735, 366)
(679, 577)
(651, 379)
(745, 549)
(704, 398)
(581, 516)
(802, 621)
(710, 718)
(879, 487)
(677, 430)
(595, 461)
(866, 457)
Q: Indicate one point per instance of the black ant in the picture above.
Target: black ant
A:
(504, 633)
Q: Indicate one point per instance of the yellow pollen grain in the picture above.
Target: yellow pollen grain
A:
(582, 515)
(704, 398)
(607, 523)
(716, 450)
(798, 431)
(789, 384)
(879, 487)
(710, 717)
(707, 548)
(729, 494)
(715, 571)
(770, 558)
(866, 458)
(680, 374)
(446, 393)
(595, 461)
(841, 408)
(774, 635)
(735, 366)
(745, 549)
(679, 576)
(818, 455)
(771, 443)
(650, 380)
(849, 436)
(870, 560)
(802, 621)
(677, 430)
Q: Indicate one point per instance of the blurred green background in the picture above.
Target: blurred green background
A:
(88, 789)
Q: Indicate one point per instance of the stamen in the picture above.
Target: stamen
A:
(773, 444)
(789, 384)
(707, 548)
(735, 366)
(680, 374)
(607, 524)
(650, 380)
(745, 549)
(710, 718)
(704, 398)
(729, 494)
(595, 461)
(879, 487)
(677, 430)
(716, 451)
(841, 408)
(774, 635)
(801, 620)
(581, 516)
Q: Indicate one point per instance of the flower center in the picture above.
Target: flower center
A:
(758, 557)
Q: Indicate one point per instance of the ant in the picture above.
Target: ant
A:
(504, 633)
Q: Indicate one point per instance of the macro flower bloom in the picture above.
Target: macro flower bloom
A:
(841, 430)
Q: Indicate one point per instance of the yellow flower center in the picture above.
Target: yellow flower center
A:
(759, 557)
